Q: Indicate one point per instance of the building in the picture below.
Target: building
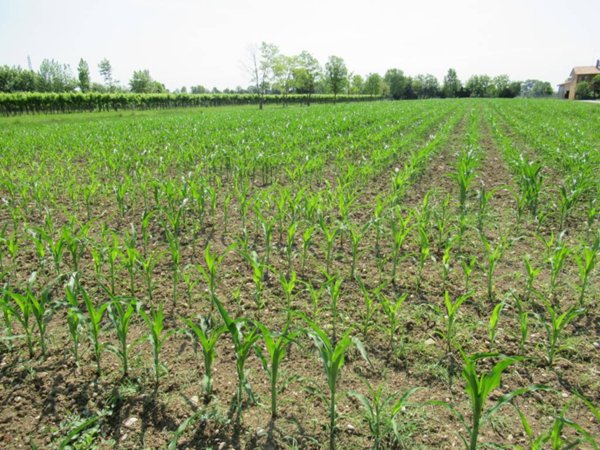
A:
(568, 89)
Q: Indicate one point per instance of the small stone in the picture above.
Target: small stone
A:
(565, 394)
(129, 423)
(221, 446)
(350, 428)
(195, 400)
(260, 432)
(429, 342)
(123, 437)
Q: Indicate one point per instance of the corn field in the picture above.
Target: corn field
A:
(381, 275)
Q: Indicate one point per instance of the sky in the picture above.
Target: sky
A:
(208, 42)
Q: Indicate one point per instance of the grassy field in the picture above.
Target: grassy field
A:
(391, 275)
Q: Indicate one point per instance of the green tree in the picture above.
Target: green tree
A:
(480, 86)
(306, 74)
(142, 83)
(452, 84)
(426, 86)
(56, 77)
(357, 84)
(536, 88)
(106, 72)
(584, 90)
(199, 89)
(596, 86)
(374, 85)
(83, 74)
(335, 74)
(400, 85)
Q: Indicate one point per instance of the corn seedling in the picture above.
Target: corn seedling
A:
(494, 319)
(23, 312)
(380, 411)
(555, 324)
(94, 321)
(530, 180)
(532, 274)
(332, 354)
(207, 335)
(289, 247)
(450, 316)
(557, 261)
(523, 317)
(210, 273)
(493, 254)
(371, 306)
(157, 337)
(391, 309)
(400, 231)
(424, 252)
(243, 344)
(468, 265)
(148, 264)
(75, 319)
(277, 345)
(175, 249)
(307, 237)
(120, 313)
(479, 386)
(586, 262)
(330, 234)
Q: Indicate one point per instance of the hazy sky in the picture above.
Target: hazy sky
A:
(187, 42)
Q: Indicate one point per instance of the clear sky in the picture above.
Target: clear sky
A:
(189, 42)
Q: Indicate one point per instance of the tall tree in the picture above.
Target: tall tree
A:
(426, 86)
(83, 74)
(335, 73)
(306, 74)
(142, 83)
(452, 84)
(56, 77)
(262, 61)
(106, 72)
(399, 84)
(374, 85)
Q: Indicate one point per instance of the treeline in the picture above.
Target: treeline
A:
(68, 102)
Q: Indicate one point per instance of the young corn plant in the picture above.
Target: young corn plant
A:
(493, 254)
(157, 338)
(484, 196)
(259, 270)
(464, 176)
(356, 237)
(380, 411)
(333, 354)
(148, 263)
(289, 246)
(555, 324)
(120, 313)
(277, 345)
(493, 325)
(333, 286)
(94, 321)
(288, 284)
(479, 387)
(400, 231)
(207, 335)
(307, 237)
(22, 311)
(530, 178)
(243, 344)
(330, 234)
(75, 318)
(391, 309)
(532, 274)
(175, 249)
(424, 253)
(450, 315)
(468, 265)
(557, 261)
(586, 262)
(371, 306)
(446, 263)
(210, 272)
(523, 317)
